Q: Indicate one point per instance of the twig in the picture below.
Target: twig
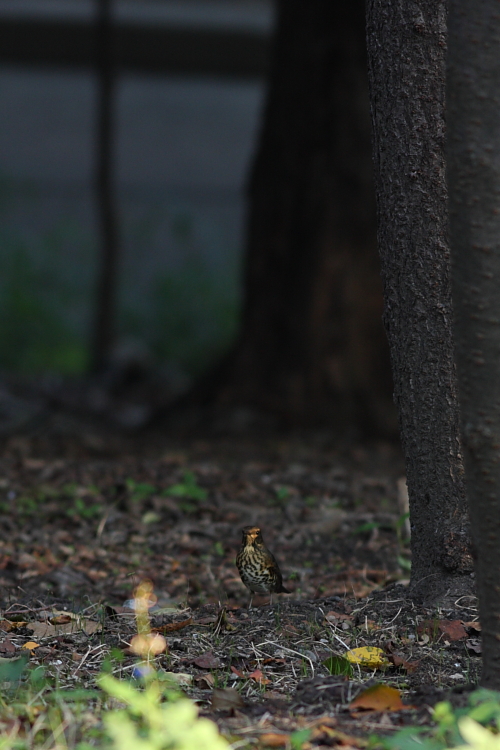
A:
(291, 650)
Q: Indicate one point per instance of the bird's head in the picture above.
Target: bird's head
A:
(252, 536)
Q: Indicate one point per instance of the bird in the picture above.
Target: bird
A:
(257, 567)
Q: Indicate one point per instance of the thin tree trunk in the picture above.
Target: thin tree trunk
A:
(474, 184)
(106, 289)
(406, 50)
(312, 346)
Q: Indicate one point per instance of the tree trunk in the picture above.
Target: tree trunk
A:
(312, 345)
(105, 300)
(406, 51)
(474, 184)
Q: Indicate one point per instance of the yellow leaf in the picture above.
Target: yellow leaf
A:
(31, 645)
(367, 657)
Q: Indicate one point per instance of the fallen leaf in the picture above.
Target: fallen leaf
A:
(390, 647)
(7, 648)
(337, 616)
(378, 698)
(31, 645)
(369, 626)
(323, 731)
(207, 660)
(115, 612)
(170, 627)
(259, 677)
(399, 661)
(473, 626)
(56, 613)
(60, 619)
(205, 681)
(8, 625)
(368, 657)
(48, 630)
(273, 739)
(237, 673)
(168, 611)
(34, 464)
(329, 721)
(180, 678)
(273, 695)
(339, 738)
(475, 646)
(453, 630)
(226, 699)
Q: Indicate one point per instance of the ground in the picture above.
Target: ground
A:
(88, 516)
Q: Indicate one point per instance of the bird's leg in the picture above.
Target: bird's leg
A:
(271, 600)
(251, 600)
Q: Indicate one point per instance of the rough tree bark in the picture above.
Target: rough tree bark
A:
(312, 345)
(474, 186)
(406, 51)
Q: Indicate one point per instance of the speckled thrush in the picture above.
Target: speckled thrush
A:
(257, 567)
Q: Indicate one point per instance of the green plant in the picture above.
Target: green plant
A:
(283, 493)
(156, 720)
(298, 738)
(188, 488)
(311, 501)
(476, 736)
(366, 527)
(139, 491)
(37, 299)
(454, 726)
(83, 510)
(27, 505)
(219, 549)
(155, 716)
(339, 665)
(195, 313)
(404, 563)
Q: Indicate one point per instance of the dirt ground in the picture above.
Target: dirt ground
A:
(86, 516)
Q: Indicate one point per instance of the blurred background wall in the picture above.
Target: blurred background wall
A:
(188, 95)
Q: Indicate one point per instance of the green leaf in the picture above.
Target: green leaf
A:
(298, 738)
(188, 488)
(12, 669)
(140, 490)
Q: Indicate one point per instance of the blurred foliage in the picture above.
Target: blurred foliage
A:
(187, 315)
(35, 334)
(196, 317)
(192, 310)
